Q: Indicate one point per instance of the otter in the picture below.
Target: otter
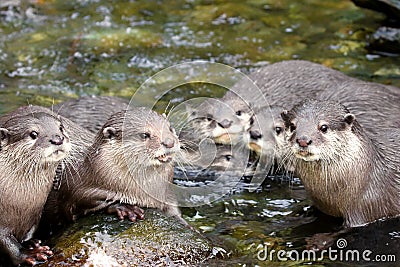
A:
(375, 105)
(32, 143)
(215, 158)
(347, 172)
(266, 136)
(91, 112)
(199, 125)
(289, 82)
(129, 164)
(283, 83)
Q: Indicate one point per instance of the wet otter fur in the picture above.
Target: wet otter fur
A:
(131, 162)
(375, 105)
(287, 83)
(91, 112)
(347, 172)
(32, 143)
(266, 135)
(284, 83)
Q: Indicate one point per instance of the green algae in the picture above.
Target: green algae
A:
(157, 239)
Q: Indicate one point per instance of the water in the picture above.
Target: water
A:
(52, 50)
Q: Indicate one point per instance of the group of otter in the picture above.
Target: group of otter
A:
(337, 134)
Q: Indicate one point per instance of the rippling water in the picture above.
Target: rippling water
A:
(52, 50)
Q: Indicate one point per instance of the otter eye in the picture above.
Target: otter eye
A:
(239, 113)
(61, 128)
(278, 130)
(251, 121)
(228, 157)
(144, 136)
(323, 128)
(292, 127)
(34, 135)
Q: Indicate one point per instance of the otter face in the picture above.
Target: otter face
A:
(266, 133)
(217, 120)
(318, 130)
(40, 134)
(145, 137)
(241, 109)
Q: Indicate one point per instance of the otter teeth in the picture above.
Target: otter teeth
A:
(164, 158)
(304, 153)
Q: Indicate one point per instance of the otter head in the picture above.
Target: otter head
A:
(142, 135)
(39, 136)
(266, 133)
(242, 110)
(319, 130)
(218, 121)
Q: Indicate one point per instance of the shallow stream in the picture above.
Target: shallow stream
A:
(53, 50)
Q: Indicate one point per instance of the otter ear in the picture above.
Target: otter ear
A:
(4, 135)
(349, 118)
(109, 132)
(285, 115)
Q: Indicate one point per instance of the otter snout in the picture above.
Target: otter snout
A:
(168, 142)
(57, 140)
(303, 141)
(225, 123)
(255, 134)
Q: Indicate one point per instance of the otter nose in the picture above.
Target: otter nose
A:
(255, 134)
(56, 140)
(168, 142)
(225, 123)
(304, 141)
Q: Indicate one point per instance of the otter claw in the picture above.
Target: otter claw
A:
(132, 212)
(37, 254)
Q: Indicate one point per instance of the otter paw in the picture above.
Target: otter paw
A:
(38, 254)
(31, 244)
(132, 212)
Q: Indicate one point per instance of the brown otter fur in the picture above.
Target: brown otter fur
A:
(287, 83)
(203, 121)
(32, 143)
(375, 105)
(131, 162)
(91, 112)
(283, 83)
(347, 172)
(266, 135)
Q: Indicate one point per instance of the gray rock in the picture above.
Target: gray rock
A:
(102, 240)
(386, 39)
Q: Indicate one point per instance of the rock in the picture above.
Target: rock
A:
(385, 39)
(103, 240)
(391, 8)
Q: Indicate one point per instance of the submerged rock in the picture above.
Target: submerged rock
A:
(102, 240)
(386, 39)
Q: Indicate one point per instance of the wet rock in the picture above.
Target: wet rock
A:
(378, 241)
(389, 7)
(101, 240)
(386, 39)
